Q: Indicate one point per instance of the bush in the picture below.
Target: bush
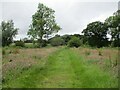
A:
(57, 41)
(74, 42)
(115, 43)
(20, 43)
(42, 43)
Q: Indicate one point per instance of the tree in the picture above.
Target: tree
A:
(57, 41)
(66, 38)
(95, 34)
(8, 32)
(43, 23)
(74, 42)
(113, 23)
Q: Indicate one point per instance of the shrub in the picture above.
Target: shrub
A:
(42, 43)
(20, 43)
(74, 42)
(57, 41)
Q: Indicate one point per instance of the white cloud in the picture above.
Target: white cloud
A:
(71, 15)
(49, 1)
(101, 17)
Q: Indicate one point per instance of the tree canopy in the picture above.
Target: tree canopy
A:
(43, 23)
(113, 23)
(8, 32)
(95, 34)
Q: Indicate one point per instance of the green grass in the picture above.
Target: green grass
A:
(64, 68)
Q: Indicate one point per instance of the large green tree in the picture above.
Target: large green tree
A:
(8, 32)
(43, 23)
(113, 23)
(95, 34)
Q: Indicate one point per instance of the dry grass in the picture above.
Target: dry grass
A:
(105, 58)
(106, 53)
(20, 59)
(63, 68)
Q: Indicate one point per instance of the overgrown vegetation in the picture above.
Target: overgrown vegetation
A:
(74, 42)
(35, 62)
(8, 32)
(60, 68)
(20, 43)
(95, 35)
(58, 41)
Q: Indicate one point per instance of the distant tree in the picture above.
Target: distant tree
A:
(74, 42)
(57, 41)
(77, 35)
(113, 23)
(8, 32)
(25, 39)
(43, 24)
(66, 38)
(57, 35)
(19, 43)
(96, 34)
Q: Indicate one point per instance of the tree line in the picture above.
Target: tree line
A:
(44, 25)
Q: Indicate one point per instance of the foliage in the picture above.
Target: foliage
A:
(20, 43)
(43, 23)
(95, 34)
(8, 32)
(42, 43)
(57, 41)
(113, 23)
(66, 38)
(74, 42)
(26, 40)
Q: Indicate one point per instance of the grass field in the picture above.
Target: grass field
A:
(60, 67)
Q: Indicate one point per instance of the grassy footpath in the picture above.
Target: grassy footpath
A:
(64, 68)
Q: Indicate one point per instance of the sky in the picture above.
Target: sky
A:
(72, 15)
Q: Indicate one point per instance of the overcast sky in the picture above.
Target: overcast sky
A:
(73, 16)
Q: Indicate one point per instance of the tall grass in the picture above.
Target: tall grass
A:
(64, 68)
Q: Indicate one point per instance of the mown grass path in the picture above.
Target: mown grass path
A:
(65, 69)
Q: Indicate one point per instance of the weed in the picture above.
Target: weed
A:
(87, 52)
(15, 51)
(100, 53)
